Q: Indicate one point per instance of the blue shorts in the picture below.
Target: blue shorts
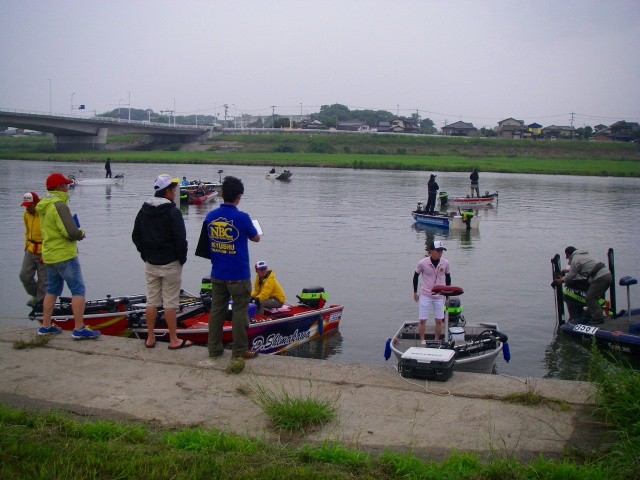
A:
(69, 272)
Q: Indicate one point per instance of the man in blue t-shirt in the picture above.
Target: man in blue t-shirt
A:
(223, 240)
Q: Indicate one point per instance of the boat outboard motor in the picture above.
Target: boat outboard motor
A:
(444, 198)
(455, 312)
(467, 215)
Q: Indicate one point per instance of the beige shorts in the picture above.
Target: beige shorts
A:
(163, 284)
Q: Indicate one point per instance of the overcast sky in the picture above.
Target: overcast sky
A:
(476, 61)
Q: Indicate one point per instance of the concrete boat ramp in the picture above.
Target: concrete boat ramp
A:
(118, 378)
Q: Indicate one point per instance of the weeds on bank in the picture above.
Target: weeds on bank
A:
(532, 398)
(36, 341)
(293, 413)
(618, 391)
(49, 445)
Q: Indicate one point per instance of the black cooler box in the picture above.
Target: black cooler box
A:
(427, 363)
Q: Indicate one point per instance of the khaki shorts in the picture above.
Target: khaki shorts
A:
(163, 284)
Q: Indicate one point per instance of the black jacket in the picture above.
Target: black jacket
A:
(432, 186)
(159, 232)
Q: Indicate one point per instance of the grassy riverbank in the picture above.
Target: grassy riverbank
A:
(56, 445)
(382, 152)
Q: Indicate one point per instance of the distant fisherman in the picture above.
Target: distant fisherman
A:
(475, 182)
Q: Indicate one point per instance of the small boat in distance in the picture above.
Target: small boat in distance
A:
(468, 201)
(462, 220)
(284, 175)
(116, 180)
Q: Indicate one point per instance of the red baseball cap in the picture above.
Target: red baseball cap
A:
(29, 199)
(56, 179)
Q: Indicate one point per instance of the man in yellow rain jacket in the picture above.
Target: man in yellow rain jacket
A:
(32, 261)
(266, 288)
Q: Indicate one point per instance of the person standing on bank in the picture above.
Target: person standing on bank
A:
(160, 236)
(432, 191)
(597, 274)
(224, 240)
(266, 288)
(435, 271)
(107, 167)
(60, 235)
(475, 182)
(32, 261)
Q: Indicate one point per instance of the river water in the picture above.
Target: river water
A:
(351, 232)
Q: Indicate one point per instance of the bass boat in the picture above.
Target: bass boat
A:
(468, 201)
(618, 333)
(462, 220)
(284, 175)
(275, 331)
(466, 347)
(115, 180)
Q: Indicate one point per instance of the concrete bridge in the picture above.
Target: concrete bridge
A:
(75, 132)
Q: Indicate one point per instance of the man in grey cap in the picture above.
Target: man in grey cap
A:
(598, 275)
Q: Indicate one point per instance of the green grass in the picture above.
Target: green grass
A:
(618, 396)
(293, 413)
(35, 341)
(380, 152)
(51, 445)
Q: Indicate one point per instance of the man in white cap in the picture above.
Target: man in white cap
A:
(266, 288)
(435, 271)
(160, 236)
(32, 263)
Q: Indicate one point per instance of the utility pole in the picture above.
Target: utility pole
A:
(273, 116)
(572, 114)
(129, 104)
(225, 114)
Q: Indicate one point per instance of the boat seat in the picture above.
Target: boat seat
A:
(626, 281)
(276, 311)
(447, 290)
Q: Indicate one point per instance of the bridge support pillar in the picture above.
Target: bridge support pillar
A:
(82, 142)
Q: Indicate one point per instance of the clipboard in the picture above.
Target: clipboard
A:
(256, 224)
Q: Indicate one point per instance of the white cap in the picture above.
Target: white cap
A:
(437, 245)
(164, 180)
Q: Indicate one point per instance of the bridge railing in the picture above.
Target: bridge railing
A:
(102, 119)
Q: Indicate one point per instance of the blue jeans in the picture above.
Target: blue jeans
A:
(68, 271)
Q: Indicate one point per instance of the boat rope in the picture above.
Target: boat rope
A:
(425, 387)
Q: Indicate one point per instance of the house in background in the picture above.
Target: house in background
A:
(402, 126)
(534, 131)
(383, 126)
(510, 128)
(599, 127)
(459, 129)
(309, 124)
(353, 126)
(621, 131)
(559, 132)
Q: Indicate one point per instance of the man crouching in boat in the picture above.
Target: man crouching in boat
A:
(435, 271)
(266, 288)
(584, 265)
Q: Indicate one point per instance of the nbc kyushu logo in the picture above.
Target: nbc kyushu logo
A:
(223, 231)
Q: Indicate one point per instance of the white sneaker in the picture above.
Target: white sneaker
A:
(423, 342)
